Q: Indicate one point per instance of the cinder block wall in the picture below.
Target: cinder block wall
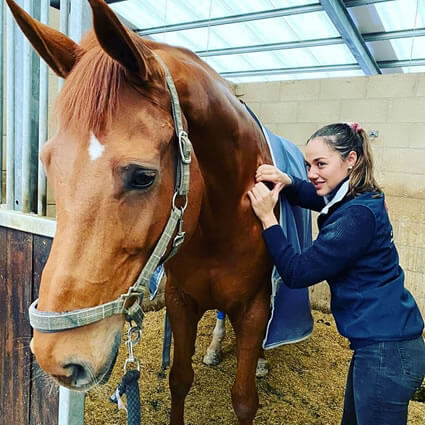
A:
(394, 105)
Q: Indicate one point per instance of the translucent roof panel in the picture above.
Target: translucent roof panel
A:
(299, 76)
(323, 55)
(263, 31)
(253, 42)
(152, 13)
(401, 49)
(401, 14)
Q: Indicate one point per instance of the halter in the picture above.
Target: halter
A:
(55, 322)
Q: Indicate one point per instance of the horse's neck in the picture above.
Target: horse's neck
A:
(228, 143)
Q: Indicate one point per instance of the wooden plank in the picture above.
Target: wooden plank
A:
(44, 398)
(3, 318)
(17, 366)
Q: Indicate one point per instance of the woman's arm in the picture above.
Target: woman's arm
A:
(303, 194)
(337, 247)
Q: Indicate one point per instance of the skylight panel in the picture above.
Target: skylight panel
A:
(392, 15)
(314, 56)
(236, 7)
(141, 14)
(312, 25)
(232, 35)
(245, 62)
(298, 76)
(401, 14)
(153, 13)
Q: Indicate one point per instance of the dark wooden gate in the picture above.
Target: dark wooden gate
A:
(26, 396)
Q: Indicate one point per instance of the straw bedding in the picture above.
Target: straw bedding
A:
(305, 385)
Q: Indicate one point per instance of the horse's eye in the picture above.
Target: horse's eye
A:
(140, 178)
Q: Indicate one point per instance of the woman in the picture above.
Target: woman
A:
(355, 253)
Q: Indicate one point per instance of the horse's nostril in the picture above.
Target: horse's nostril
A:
(77, 374)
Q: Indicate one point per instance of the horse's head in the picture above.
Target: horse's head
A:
(111, 165)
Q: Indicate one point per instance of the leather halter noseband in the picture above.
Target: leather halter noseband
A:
(55, 322)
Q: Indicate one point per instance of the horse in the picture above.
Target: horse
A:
(112, 166)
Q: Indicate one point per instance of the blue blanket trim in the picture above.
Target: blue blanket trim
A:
(155, 281)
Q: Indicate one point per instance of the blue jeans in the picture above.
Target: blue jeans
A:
(381, 380)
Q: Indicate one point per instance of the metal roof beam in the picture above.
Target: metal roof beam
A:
(299, 44)
(392, 35)
(340, 17)
(402, 63)
(202, 23)
(322, 68)
(245, 17)
(355, 3)
(297, 70)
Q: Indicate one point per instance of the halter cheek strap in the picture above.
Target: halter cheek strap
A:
(55, 322)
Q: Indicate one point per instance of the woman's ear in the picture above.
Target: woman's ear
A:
(351, 159)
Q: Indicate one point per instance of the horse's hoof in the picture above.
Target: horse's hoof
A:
(212, 358)
(262, 368)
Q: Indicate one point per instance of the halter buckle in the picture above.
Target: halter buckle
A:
(185, 147)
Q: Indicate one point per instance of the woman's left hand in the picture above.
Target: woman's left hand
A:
(263, 201)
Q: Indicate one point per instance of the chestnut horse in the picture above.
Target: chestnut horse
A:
(112, 165)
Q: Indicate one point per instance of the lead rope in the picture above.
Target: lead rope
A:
(129, 384)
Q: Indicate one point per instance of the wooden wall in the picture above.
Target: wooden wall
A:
(27, 397)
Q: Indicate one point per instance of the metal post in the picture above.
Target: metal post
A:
(80, 19)
(63, 27)
(10, 111)
(71, 403)
(2, 29)
(26, 121)
(43, 119)
(71, 407)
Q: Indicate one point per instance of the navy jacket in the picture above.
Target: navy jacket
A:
(355, 253)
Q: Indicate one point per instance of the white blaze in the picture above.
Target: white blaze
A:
(95, 148)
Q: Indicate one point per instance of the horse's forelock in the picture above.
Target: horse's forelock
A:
(91, 92)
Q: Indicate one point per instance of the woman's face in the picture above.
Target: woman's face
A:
(325, 167)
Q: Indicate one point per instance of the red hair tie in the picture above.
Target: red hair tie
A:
(355, 126)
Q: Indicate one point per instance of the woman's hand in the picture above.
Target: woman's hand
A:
(263, 202)
(272, 174)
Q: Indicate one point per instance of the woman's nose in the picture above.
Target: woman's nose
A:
(312, 173)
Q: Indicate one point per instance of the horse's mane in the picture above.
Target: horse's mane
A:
(90, 95)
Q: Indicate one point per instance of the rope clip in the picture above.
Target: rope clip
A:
(133, 337)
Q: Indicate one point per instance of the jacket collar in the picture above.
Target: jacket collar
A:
(337, 195)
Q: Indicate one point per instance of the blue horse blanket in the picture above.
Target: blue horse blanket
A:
(290, 320)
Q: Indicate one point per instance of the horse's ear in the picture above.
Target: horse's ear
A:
(115, 39)
(59, 51)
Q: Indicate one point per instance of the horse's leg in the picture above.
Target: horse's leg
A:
(262, 366)
(249, 329)
(184, 318)
(214, 353)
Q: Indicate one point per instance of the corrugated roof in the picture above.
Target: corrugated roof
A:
(261, 40)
